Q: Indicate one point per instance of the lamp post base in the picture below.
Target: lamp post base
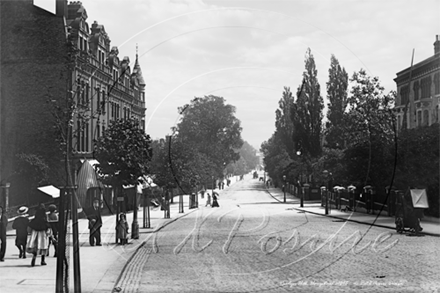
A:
(135, 230)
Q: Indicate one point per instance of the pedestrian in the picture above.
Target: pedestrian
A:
(214, 200)
(53, 222)
(122, 229)
(20, 225)
(95, 223)
(208, 199)
(228, 182)
(3, 227)
(38, 242)
(219, 185)
(223, 185)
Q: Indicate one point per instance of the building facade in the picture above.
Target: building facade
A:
(104, 87)
(418, 92)
(47, 60)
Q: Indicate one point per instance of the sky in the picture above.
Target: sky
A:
(248, 51)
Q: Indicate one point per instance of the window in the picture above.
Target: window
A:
(436, 113)
(404, 95)
(426, 87)
(416, 90)
(425, 118)
(437, 83)
(78, 136)
(102, 104)
(98, 99)
(86, 137)
(419, 118)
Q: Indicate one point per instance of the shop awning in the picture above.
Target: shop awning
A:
(50, 190)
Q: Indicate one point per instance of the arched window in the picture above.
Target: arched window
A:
(425, 117)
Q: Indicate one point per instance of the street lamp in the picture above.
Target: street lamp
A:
(301, 193)
(212, 184)
(327, 176)
(284, 179)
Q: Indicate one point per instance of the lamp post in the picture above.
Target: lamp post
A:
(298, 153)
(284, 188)
(327, 176)
(212, 184)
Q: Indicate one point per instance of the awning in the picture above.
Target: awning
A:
(50, 190)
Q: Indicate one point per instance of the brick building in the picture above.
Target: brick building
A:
(419, 90)
(36, 82)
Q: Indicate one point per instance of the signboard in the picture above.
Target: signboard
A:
(419, 198)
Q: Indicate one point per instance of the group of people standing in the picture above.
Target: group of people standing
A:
(42, 231)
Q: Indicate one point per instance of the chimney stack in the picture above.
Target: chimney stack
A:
(61, 8)
(437, 45)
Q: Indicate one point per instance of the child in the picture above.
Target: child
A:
(208, 200)
(21, 225)
(122, 229)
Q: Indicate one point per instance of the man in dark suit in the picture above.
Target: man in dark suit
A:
(95, 223)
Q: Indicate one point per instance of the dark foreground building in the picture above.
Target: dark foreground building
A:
(55, 69)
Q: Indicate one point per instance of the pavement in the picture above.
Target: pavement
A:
(101, 266)
(431, 226)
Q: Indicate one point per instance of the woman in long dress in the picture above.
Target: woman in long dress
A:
(38, 242)
(214, 200)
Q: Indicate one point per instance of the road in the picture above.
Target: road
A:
(254, 244)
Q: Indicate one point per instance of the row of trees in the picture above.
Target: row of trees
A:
(358, 143)
(206, 144)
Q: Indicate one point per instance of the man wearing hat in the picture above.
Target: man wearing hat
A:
(20, 225)
(95, 223)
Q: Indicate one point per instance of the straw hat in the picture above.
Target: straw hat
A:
(52, 208)
(22, 210)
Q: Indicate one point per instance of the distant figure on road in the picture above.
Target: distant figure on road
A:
(223, 185)
(122, 229)
(228, 182)
(208, 199)
(39, 240)
(214, 200)
(21, 225)
(3, 225)
(95, 223)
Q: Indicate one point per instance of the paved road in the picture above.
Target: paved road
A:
(252, 244)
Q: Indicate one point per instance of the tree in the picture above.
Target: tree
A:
(123, 153)
(210, 129)
(368, 131)
(277, 161)
(306, 113)
(337, 95)
(283, 122)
